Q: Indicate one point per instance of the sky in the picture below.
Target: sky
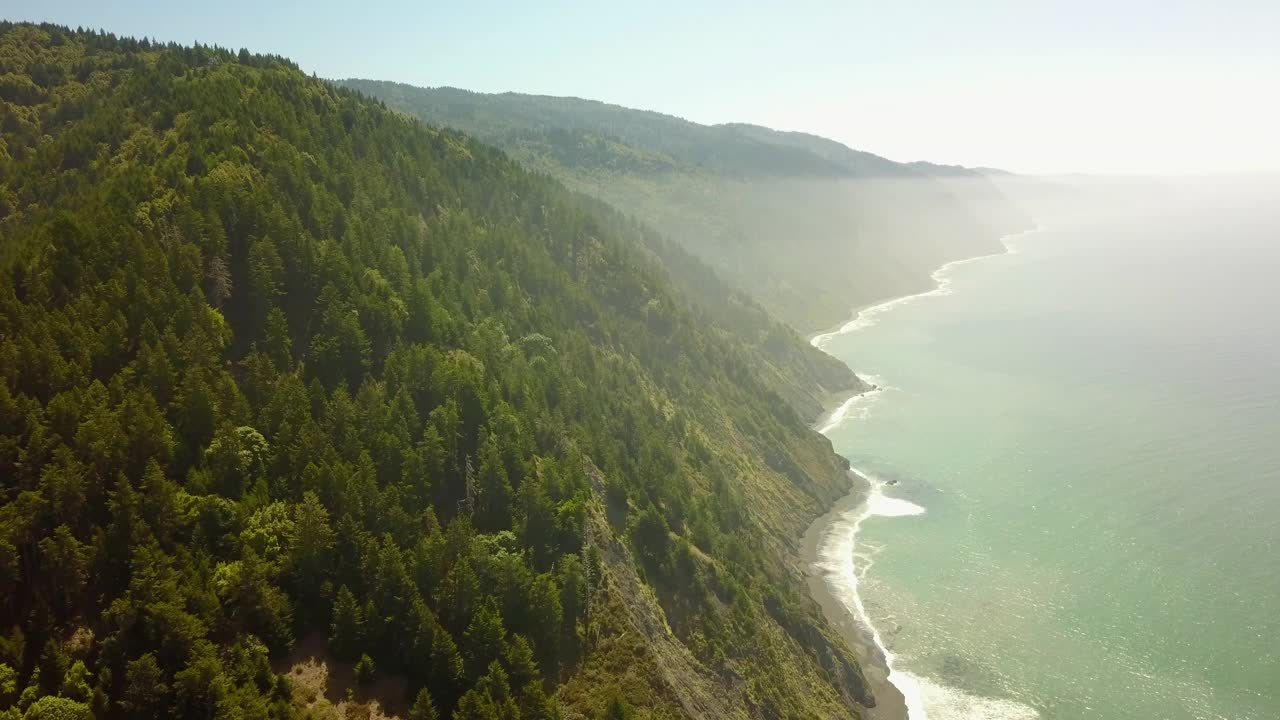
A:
(1116, 86)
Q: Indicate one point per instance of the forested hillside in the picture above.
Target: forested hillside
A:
(804, 225)
(562, 138)
(310, 410)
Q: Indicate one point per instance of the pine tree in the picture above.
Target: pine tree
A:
(485, 638)
(145, 690)
(347, 633)
(493, 489)
(365, 670)
(423, 707)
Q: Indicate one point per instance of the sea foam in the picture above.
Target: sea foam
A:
(843, 563)
(866, 317)
(928, 700)
(856, 407)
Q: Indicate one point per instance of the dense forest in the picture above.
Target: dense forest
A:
(806, 226)
(308, 409)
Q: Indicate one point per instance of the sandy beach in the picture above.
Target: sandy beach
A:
(890, 704)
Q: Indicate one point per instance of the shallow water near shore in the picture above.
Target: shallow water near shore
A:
(1080, 445)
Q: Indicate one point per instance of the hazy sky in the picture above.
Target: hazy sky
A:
(1087, 85)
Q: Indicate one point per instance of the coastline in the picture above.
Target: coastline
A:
(891, 704)
(838, 405)
(835, 532)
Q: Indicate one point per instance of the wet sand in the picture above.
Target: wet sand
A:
(890, 704)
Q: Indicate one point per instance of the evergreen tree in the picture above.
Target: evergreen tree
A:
(365, 671)
(347, 634)
(423, 707)
(485, 638)
(493, 489)
(145, 695)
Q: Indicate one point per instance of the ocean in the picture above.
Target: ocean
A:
(1076, 467)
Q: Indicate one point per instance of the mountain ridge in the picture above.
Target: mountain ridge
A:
(850, 228)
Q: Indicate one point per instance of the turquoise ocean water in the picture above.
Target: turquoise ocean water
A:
(1079, 451)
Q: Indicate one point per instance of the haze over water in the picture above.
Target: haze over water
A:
(1092, 425)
